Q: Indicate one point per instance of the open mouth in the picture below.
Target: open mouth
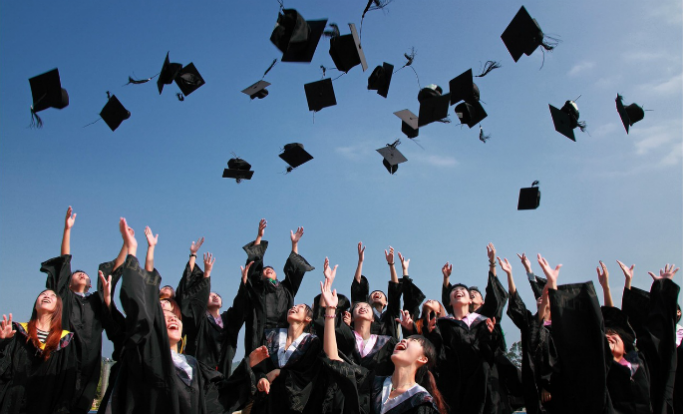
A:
(173, 326)
(46, 300)
(401, 346)
(291, 311)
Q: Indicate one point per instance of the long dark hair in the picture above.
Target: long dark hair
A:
(424, 375)
(55, 334)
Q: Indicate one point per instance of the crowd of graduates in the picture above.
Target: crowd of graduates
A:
(373, 352)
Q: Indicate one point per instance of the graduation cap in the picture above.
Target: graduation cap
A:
(392, 156)
(188, 79)
(380, 79)
(433, 105)
(347, 52)
(257, 90)
(296, 37)
(114, 113)
(320, 94)
(529, 198)
(168, 73)
(616, 320)
(567, 119)
(470, 114)
(629, 114)
(463, 88)
(238, 169)
(47, 91)
(409, 124)
(523, 35)
(294, 154)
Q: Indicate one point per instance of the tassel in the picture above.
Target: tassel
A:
(324, 69)
(375, 5)
(488, 67)
(180, 96)
(483, 137)
(108, 95)
(36, 122)
(582, 126)
(269, 68)
(334, 32)
(395, 144)
(549, 43)
(139, 82)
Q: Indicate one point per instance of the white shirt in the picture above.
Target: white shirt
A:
(282, 353)
(389, 403)
(180, 362)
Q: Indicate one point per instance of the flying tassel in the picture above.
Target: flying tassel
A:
(445, 120)
(483, 137)
(324, 69)
(395, 144)
(488, 67)
(36, 122)
(139, 81)
(334, 32)
(582, 126)
(180, 96)
(269, 68)
(375, 5)
(549, 43)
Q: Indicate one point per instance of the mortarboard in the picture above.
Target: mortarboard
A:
(114, 113)
(347, 52)
(392, 156)
(188, 79)
(629, 114)
(529, 198)
(257, 90)
(168, 73)
(523, 35)
(320, 94)
(566, 119)
(296, 37)
(294, 154)
(47, 91)
(470, 114)
(409, 124)
(463, 88)
(380, 79)
(238, 169)
(433, 105)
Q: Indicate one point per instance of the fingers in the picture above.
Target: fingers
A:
(326, 264)
(101, 275)
(652, 275)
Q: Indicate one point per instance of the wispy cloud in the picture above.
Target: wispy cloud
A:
(670, 86)
(662, 140)
(441, 161)
(581, 67)
(604, 130)
(354, 152)
(670, 12)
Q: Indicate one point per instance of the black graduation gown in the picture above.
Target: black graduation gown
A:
(385, 323)
(539, 357)
(363, 391)
(412, 297)
(296, 389)
(206, 340)
(378, 360)
(678, 382)
(268, 302)
(579, 337)
(653, 317)
(82, 316)
(629, 393)
(28, 384)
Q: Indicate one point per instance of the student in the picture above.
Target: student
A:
(38, 361)
(410, 389)
(269, 298)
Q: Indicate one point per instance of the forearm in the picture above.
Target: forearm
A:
(607, 294)
(66, 242)
(149, 260)
(295, 247)
(492, 268)
(120, 258)
(359, 271)
(330, 339)
(511, 284)
(392, 271)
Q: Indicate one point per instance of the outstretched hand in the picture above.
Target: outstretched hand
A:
(447, 269)
(431, 322)
(628, 271)
(361, 252)
(151, 238)
(490, 324)
(329, 274)
(245, 272)
(404, 263)
(209, 260)
(389, 255)
(525, 262)
(295, 237)
(194, 247)
(6, 331)
(329, 295)
(106, 288)
(603, 276)
(505, 265)
(406, 321)
(258, 355)
(128, 236)
(667, 273)
(70, 219)
(262, 224)
(491, 253)
(550, 273)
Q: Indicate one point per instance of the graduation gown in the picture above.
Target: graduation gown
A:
(81, 315)
(412, 297)
(269, 301)
(385, 322)
(296, 389)
(629, 392)
(28, 384)
(210, 343)
(377, 359)
(539, 357)
(363, 391)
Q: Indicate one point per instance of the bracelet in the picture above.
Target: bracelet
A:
(330, 316)
(390, 264)
(492, 264)
(330, 307)
(193, 255)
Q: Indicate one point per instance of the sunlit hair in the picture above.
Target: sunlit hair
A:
(419, 324)
(175, 309)
(55, 334)
(424, 375)
(164, 296)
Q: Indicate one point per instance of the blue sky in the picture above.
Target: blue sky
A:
(607, 196)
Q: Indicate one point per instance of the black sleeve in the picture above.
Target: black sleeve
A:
(412, 297)
(537, 285)
(295, 269)
(393, 311)
(58, 270)
(635, 304)
(518, 312)
(236, 390)
(255, 253)
(496, 297)
(192, 296)
(446, 297)
(137, 289)
(360, 291)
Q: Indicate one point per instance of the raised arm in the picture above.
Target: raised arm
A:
(151, 244)
(390, 261)
(330, 339)
(262, 224)
(603, 278)
(295, 237)
(491, 253)
(505, 265)
(537, 283)
(628, 274)
(209, 260)
(194, 248)
(68, 224)
(550, 273)
(361, 258)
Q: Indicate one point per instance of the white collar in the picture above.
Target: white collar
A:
(389, 403)
(282, 353)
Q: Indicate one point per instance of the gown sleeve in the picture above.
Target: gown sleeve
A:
(58, 270)
(412, 297)
(360, 290)
(496, 297)
(295, 269)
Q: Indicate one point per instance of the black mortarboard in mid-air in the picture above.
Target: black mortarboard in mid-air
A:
(529, 198)
(433, 105)
(629, 114)
(409, 124)
(257, 90)
(463, 88)
(392, 156)
(238, 169)
(296, 37)
(47, 92)
(567, 119)
(168, 73)
(114, 113)
(320, 94)
(294, 154)
(188, 79)
(470, 114)
(523, 35)
(346, 51)
(380, 79)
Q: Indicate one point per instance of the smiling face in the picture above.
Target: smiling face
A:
(300, 313)
(362, 311)
(269, 273)
(460, 296)
(477, 299)
(616, 345)
(408, 351)
(215, 301)
(46, 302)
(174, 327)
(378, 298)
(80, 282)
